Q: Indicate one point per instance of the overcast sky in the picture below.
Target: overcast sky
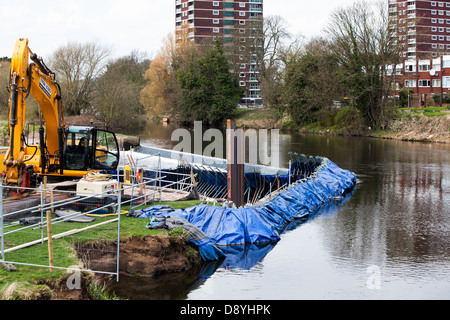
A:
(126, 25)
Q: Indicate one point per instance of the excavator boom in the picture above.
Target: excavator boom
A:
(48, 157)
(35, 79)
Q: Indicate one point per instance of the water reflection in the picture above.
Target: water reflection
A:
(397, 219)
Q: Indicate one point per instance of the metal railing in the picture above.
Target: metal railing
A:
(56, 225)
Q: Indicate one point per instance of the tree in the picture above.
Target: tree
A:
(161, 94)
(209, 92)
(310, 81)
(117, 96)
(361, 42)
(5, 67)
(32, 105)
(262, 41)
(77, 66)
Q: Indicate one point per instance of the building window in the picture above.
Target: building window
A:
(433, 20)
(410, 83)
(216, 12)
(242, 22)
(242, 13)
(216, 30)
(241, 4)
(433, 4)
(441, 20)
(242, 83)
(441, 12)
(448, 38)
(433, 11)
(424, 67)
(215, 3)
(410, 68)
(215, 21)
(441, 38)
(441, 4)
(433, 37)
(448, 13)
(441, 29)
(434, 46)
(436, 83)
(424, 83)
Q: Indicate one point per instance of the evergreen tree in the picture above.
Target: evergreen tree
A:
(209, 92)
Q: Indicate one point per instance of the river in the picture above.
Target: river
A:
(388, 240)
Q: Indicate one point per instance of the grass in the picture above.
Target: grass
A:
(26, 282)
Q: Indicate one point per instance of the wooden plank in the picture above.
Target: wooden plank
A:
(60, 235)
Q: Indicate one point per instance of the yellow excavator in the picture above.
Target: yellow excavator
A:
(61, 153)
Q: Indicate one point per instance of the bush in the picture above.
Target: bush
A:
(347, 116)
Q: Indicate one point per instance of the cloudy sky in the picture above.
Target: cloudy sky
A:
(126, 25)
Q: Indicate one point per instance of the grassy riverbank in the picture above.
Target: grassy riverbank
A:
(32, 283)
(414, 124)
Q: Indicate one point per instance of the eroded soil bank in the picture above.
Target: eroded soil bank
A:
(149, 257)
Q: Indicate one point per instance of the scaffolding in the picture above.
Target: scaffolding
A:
(39, 233)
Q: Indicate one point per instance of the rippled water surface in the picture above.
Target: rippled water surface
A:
(388, 240)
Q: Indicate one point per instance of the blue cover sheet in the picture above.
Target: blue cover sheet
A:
(264, 223)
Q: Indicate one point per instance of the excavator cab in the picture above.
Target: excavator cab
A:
(88, 148)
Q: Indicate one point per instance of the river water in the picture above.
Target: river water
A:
(388, 240)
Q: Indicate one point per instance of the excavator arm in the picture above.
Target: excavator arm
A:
(36, 79)
(61, 153)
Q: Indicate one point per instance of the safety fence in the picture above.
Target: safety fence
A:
(74, 230)
(77, 230)
(212, 181)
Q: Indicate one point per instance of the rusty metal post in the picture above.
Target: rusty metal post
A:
(235, 164)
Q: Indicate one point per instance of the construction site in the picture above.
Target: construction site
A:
(67, 192)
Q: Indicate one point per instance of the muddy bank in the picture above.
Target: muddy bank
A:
(417, 127)
(412, 127)
(154, 258)
(140, 256)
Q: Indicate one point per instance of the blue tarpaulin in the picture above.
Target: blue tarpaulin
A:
(264, 223)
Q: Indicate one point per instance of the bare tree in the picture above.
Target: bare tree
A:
(274, 46)
(363, 46)
(77, 66)
(117, 92)
(4, 82)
